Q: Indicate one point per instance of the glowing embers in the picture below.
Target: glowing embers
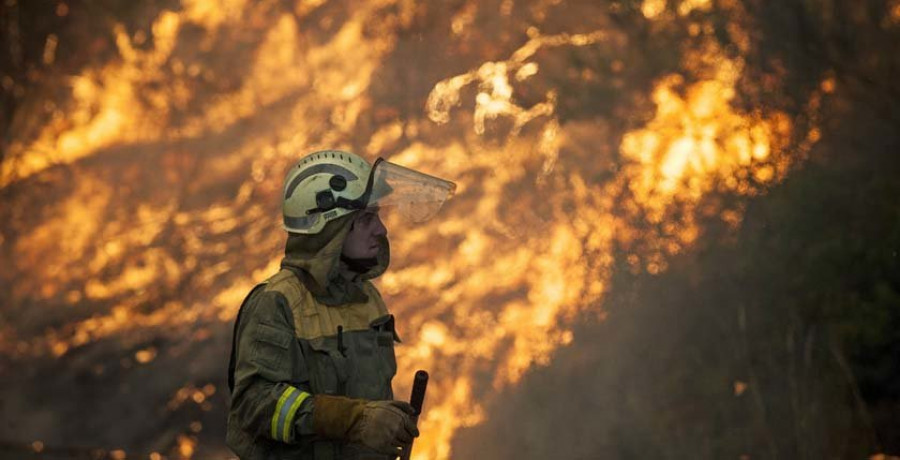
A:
(535, 246)
(653, 9)
(495, 94)
(482, 293)
(109, 106)
(695, 139)
(893, 16)
(490, 297)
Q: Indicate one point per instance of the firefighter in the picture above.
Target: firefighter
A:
(313, 348)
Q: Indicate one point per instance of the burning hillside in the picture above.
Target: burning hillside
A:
(141, 205)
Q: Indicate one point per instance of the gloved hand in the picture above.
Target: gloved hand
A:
(383, 426)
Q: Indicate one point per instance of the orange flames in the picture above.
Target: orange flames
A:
(509, 292)
(483, 293)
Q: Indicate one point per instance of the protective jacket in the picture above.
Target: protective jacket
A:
(287, 347)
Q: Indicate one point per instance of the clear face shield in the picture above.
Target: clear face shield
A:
(413, 195)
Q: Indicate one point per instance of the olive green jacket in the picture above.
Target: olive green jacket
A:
(287, 348)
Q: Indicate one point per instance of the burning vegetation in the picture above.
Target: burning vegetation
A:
(144, 151)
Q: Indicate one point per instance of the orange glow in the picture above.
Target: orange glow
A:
(191, 393)
(491, 286)
(105, 108)
(687, 6)
(894, 12)
(696, 138)
(653, 8)
(186, 445)
(693, 141)
(494, 98)
(145, 356)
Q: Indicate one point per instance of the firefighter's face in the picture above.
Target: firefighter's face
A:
(362, 240)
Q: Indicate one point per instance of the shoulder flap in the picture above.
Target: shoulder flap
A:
(313, 320)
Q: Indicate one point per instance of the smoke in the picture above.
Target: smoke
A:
(592, 142)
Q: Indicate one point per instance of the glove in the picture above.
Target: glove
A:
(383, 426)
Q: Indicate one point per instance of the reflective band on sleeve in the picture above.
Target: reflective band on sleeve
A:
(278, 410)
(285, 410)
(289, 421)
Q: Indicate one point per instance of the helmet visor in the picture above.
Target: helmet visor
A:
(413, 195)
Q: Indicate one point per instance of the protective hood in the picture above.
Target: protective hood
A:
(316, 260)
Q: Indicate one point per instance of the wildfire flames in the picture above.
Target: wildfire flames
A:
(146, 206)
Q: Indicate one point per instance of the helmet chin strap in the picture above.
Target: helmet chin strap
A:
(359, 265)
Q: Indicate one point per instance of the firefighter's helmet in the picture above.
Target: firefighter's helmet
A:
(328, 184)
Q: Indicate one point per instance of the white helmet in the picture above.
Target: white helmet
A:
(322, 187)
(329, 184)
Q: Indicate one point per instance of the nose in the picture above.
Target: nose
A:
(378, 228)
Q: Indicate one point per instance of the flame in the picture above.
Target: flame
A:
(105, 107)
(186, 445)
(494, 98)
(893, 17)
(483, 294)
(695, 138)
(694, 142)
(652, 9)
(191, 393)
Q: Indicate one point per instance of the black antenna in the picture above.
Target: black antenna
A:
(340, 340)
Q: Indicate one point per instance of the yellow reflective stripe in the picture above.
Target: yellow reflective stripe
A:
(284, 396)
(289, 421)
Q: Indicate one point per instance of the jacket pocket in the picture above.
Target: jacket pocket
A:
(271, 351)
